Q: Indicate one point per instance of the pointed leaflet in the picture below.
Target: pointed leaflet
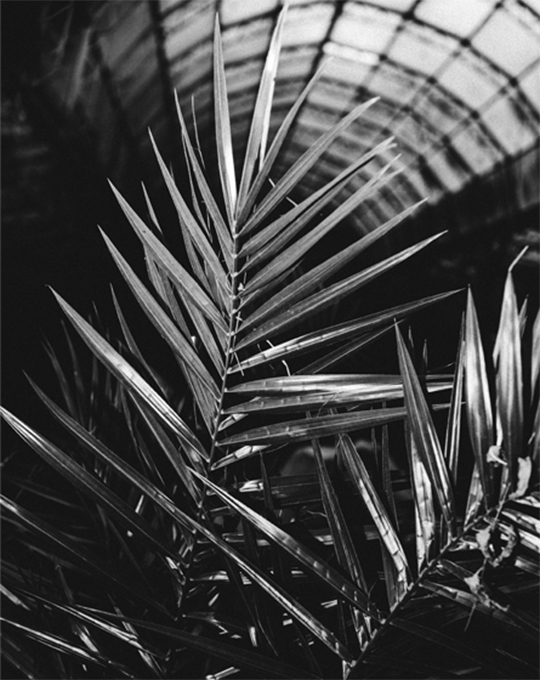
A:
(169, 332)
(222, 231)
(535, 353)
(260, 120)
(332, 358)
(314, 278)
(134, 348)
(329, 383)
(425, 436)
(293, 176)
(509, 379)
(316, 427)
(180, 466)
(474, 496)
(358, 395)
(294, 253)
(223, 128)
(343, 544)
(453, 427)
(284, 228)
(83, 480)
(319, 301)
(185, 282)
(164, 289)
(424, 508)
(131, 379)
(270, 157)
(188, 221)
(303, 555)
(343, 331)
(361, 479)
(478, 400)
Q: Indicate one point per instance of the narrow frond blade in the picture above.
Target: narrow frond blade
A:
(296, 251)
(319, 301)
(360, 477)
(223, 127)
(424, 509)
(313, 279)
(267, 241)
(453, 427)
(183, 348)
(478, 401)
(344, 331)
(197, 233)
(260, 121)
(316, 427)
(343, 543)
(425, 436)
(222, 231)
(355, 395)
(302, 166)
(185, 282)
(131, 379)
(535, 353)
(509, 380)
(271, 156)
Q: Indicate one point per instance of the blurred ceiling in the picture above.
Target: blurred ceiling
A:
(458, 82)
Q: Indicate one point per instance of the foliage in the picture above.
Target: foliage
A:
(180, 548)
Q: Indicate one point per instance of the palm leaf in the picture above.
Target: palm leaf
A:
(426, 441)
(478, 401)
(223, 128)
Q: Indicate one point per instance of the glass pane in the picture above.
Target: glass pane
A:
(186, 29)
(233, 11)
(307, 24)
(394, 83)
(439, 109)
(448, 173)
(530, 84)
(507, 43)
(365, 28)
(247, 42)
(421, 48)
(460, 17)
(343, 68)
(479, 158)
(464, 78)
(505, 123)
(414, 135)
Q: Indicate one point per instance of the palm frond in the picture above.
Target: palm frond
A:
(371, 556)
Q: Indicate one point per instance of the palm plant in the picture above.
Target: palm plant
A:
(180, 549)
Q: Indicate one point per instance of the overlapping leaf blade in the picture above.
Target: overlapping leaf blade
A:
(129, 377)
(375, 506)
(426, 439)
(510, 380)
(478, 399)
